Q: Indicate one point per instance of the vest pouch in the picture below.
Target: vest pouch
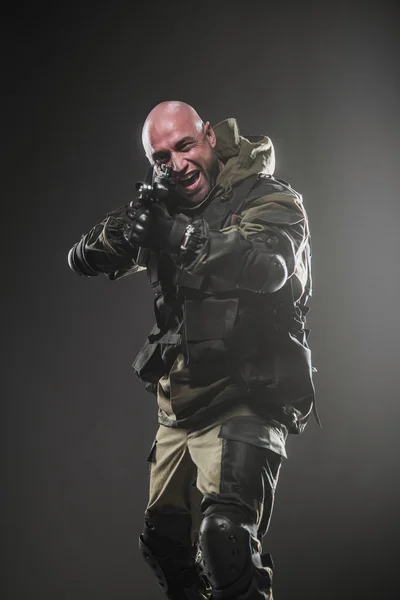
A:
(149, 364)
(208, 322)
(293, 368)
(282, 372)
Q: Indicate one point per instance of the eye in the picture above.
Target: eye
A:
(160, 162)
(185, 146)
(160, 158)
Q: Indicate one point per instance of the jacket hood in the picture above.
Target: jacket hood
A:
(242, 156)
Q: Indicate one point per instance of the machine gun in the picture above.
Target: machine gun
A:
(159, 190)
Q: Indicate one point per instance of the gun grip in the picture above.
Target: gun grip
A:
(142, 256)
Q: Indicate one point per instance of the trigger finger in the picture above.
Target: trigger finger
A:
(144, 217)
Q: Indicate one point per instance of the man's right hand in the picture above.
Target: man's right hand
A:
(137, 227)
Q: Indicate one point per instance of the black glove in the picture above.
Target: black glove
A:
(137, 226)
(155, 228)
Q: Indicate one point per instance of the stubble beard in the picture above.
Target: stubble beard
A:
(214, 171)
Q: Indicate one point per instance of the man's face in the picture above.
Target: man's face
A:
(189, 149)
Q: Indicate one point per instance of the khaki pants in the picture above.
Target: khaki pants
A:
(229, 462)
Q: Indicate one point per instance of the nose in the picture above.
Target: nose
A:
(178, 162)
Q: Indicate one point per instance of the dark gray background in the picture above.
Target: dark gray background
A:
(322, 80)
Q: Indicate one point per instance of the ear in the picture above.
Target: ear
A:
(210, 134)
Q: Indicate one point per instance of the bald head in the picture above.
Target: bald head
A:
(168, 116)
(174, 135)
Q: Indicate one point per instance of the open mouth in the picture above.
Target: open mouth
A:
(190, 181)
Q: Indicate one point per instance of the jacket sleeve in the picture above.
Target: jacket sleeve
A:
(259, 253)
(104, 249)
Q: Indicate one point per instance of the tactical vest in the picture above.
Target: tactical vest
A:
(260, 338)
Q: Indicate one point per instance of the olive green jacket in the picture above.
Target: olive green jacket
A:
(220, 338)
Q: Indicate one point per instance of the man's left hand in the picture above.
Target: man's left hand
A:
(165, 232)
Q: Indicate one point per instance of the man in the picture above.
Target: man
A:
(227, 252)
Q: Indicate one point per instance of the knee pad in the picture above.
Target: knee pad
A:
(227, 554)
(173, 564)
(156, 563)
(230, 559)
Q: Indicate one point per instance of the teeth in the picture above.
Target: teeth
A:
(188, 176)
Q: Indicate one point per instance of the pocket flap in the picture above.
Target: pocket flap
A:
(251, 430)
